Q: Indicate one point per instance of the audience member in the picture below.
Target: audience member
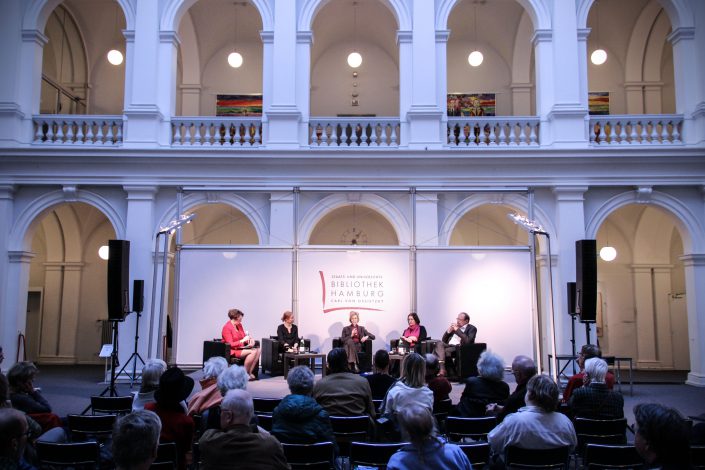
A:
(380, 380)
(210, 394)
(537, 425)
(233, 378)
(523, 368)
(594, 400)
(13, 439)
(425, 450)
(177, 426)
(236, 444)
(135, 440)
(26, 398)
(661, 437)
(588, 351)
(298, 418)
(439, 385)
(342, 393)
(458, 333)
(411, 388)
(488, 387)
(151, 371)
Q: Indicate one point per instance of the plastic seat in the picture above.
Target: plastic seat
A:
(697, 457)
(372, 454)
(348, 429)
(91, 426)
(265, 405)
(76, 454)
(458, 428)
(478, 453)
(111, 405)
(600, 431)
(167, 456)
(264, 420)
(599, 456)
(555, 458)
(317, 456)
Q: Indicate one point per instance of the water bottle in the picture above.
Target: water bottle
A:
(302, 347)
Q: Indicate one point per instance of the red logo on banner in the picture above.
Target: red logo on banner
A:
(352, 306)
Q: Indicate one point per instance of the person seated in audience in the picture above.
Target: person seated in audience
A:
(380, 380)
(288, 333)
(439, 385)
(151, 371)
(298, 419)
(537, 425)
(237, 444)
(242, 345)
(135, 440)
(488, 387)
(177, 426)
(13, 440)
(414, 334)
(342, 393)
(460, 332)
(588, 351)
(523, 368)
(233, 378)
(594, 400)
(210, 394)
(425, 450)
(26, 398)
(661, 437)
(353, 337)
(410, 388)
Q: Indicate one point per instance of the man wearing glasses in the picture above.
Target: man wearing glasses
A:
(458, 333)
(13, 439)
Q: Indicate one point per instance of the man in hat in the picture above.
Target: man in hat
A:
(177, 426)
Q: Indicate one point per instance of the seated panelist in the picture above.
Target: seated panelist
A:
(242, 345)
(353, 336)
(288, 333)
(415, 333)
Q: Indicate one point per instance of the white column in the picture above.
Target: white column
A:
(281, 222)
(634, 92)
(166, 79)
(694, 264)
(304, 39)
(647, 341)
(71, 295)
(442, 80)
(543, 64)
(583, 66)
(405, 79)
(51, 311)
(14, 303)
(6, 210)
(689, 77)
(426, 219)
(267, 79)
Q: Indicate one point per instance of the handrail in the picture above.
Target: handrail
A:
(21, 342)
(353, 132)
(485, 131)
(636, 129)
(72, 129)
(237, 131)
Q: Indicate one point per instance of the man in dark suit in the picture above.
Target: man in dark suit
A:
(459, 332)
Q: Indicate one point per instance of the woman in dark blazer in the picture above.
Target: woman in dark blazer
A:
(353, 336)
(287, 333)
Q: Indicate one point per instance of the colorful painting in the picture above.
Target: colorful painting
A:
(599, 103)
(471, 104)
(239, 105)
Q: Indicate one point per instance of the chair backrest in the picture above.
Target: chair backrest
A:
(372, 454)
(68, 455)
(86, 426)
(265, 405)
(478, 453)
(600, 431)
(167, 456)
(599, 456)
(349, 428)
(517, 457)
(320, 455)
(697, 457)
(378, 405)
(443, 406)
(475, 428)
(265, 421)
(111, 405)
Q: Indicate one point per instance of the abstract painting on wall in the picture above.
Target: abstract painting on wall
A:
(471, 104)
(239, 105)
(599, 103)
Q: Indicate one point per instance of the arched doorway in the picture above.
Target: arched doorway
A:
(353, 225)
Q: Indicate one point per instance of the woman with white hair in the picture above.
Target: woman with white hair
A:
(210, 394)
(233, 378)
(488, 387)
(595, 400)
(151, 371)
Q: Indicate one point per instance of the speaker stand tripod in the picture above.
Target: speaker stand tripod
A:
(135, 355)
(572, 338)
(113, 364)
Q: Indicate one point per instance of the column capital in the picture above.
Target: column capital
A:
(20, 256)
(648, 267)
(643, 194)
(679, 34)
(281, 196)
(29, 35)
(404, 37)
(570, 193)
(442, 35)
(583, 34)
(129, 35)
(167, 37)
(267, 36)
(140, 193)
(7, 192)
(304, 37)
(693, 259)
(542, 35)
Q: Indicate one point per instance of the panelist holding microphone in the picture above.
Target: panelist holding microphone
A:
(242, 345)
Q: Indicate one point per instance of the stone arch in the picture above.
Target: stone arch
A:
(377, 203)
(476, 200)
(174, 11)
(638, 42)
(192, 201)
(311, 8)
(538, 13)
(689, 226)
(20, 236)
(678, 11)
(37, 13)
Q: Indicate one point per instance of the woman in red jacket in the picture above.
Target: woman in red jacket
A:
(241, 344)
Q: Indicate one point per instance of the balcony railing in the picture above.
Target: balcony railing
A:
(642, 129)
(493, 131)
(216, 132)
(354, 132)
(68, 129)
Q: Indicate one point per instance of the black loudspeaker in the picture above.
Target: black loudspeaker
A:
(118, 279)
(586, 279)
(138, 295)
(571, 299)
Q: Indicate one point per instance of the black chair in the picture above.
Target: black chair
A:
(517, 457)
(76, 454)
(697, 457)
(600, 431)
(265, 421)
(464, 363)
(458, 428)
(272, 358)
(318, 456)
(378, 405)
(83, 427)
(167, 456)
(441, 410)
(347, 429)
(111, 405)
(372, 454)
(265, 405)
(599, 456)
(478, 453)
(364, 357)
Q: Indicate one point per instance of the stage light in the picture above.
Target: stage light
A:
(104, 252)
(608, 253)
(115, 57)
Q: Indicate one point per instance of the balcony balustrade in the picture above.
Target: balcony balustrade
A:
(354, 132)
(216, 132)
(643, 129)
(464, 132)
(70, 129)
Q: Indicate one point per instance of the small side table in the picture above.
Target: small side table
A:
(310, 358)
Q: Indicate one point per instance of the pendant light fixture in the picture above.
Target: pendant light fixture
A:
(475, 58)
(115, 57)
(607, 252)
(354, 58)
(235, 58)
(599, 55)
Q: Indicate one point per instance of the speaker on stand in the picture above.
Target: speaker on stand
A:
(586, 282)
(137, 307)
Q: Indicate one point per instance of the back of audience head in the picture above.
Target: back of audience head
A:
(152, 370)
(236, 408)
(542, 391)
(4, 391)
(337, 360)
(135, 439)
(588, 351)
(433, 366)
(300, 380)
(595, 370)
(21, 373)
(174, 387)
(13, 433)
(523, 368)
(381, 360)
(214, 366)
(416, 423)
(490, 366)
(413, 371)
(233, 378)
(661, 436)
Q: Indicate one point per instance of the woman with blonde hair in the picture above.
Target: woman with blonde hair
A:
(411, 388)
(353, 337)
